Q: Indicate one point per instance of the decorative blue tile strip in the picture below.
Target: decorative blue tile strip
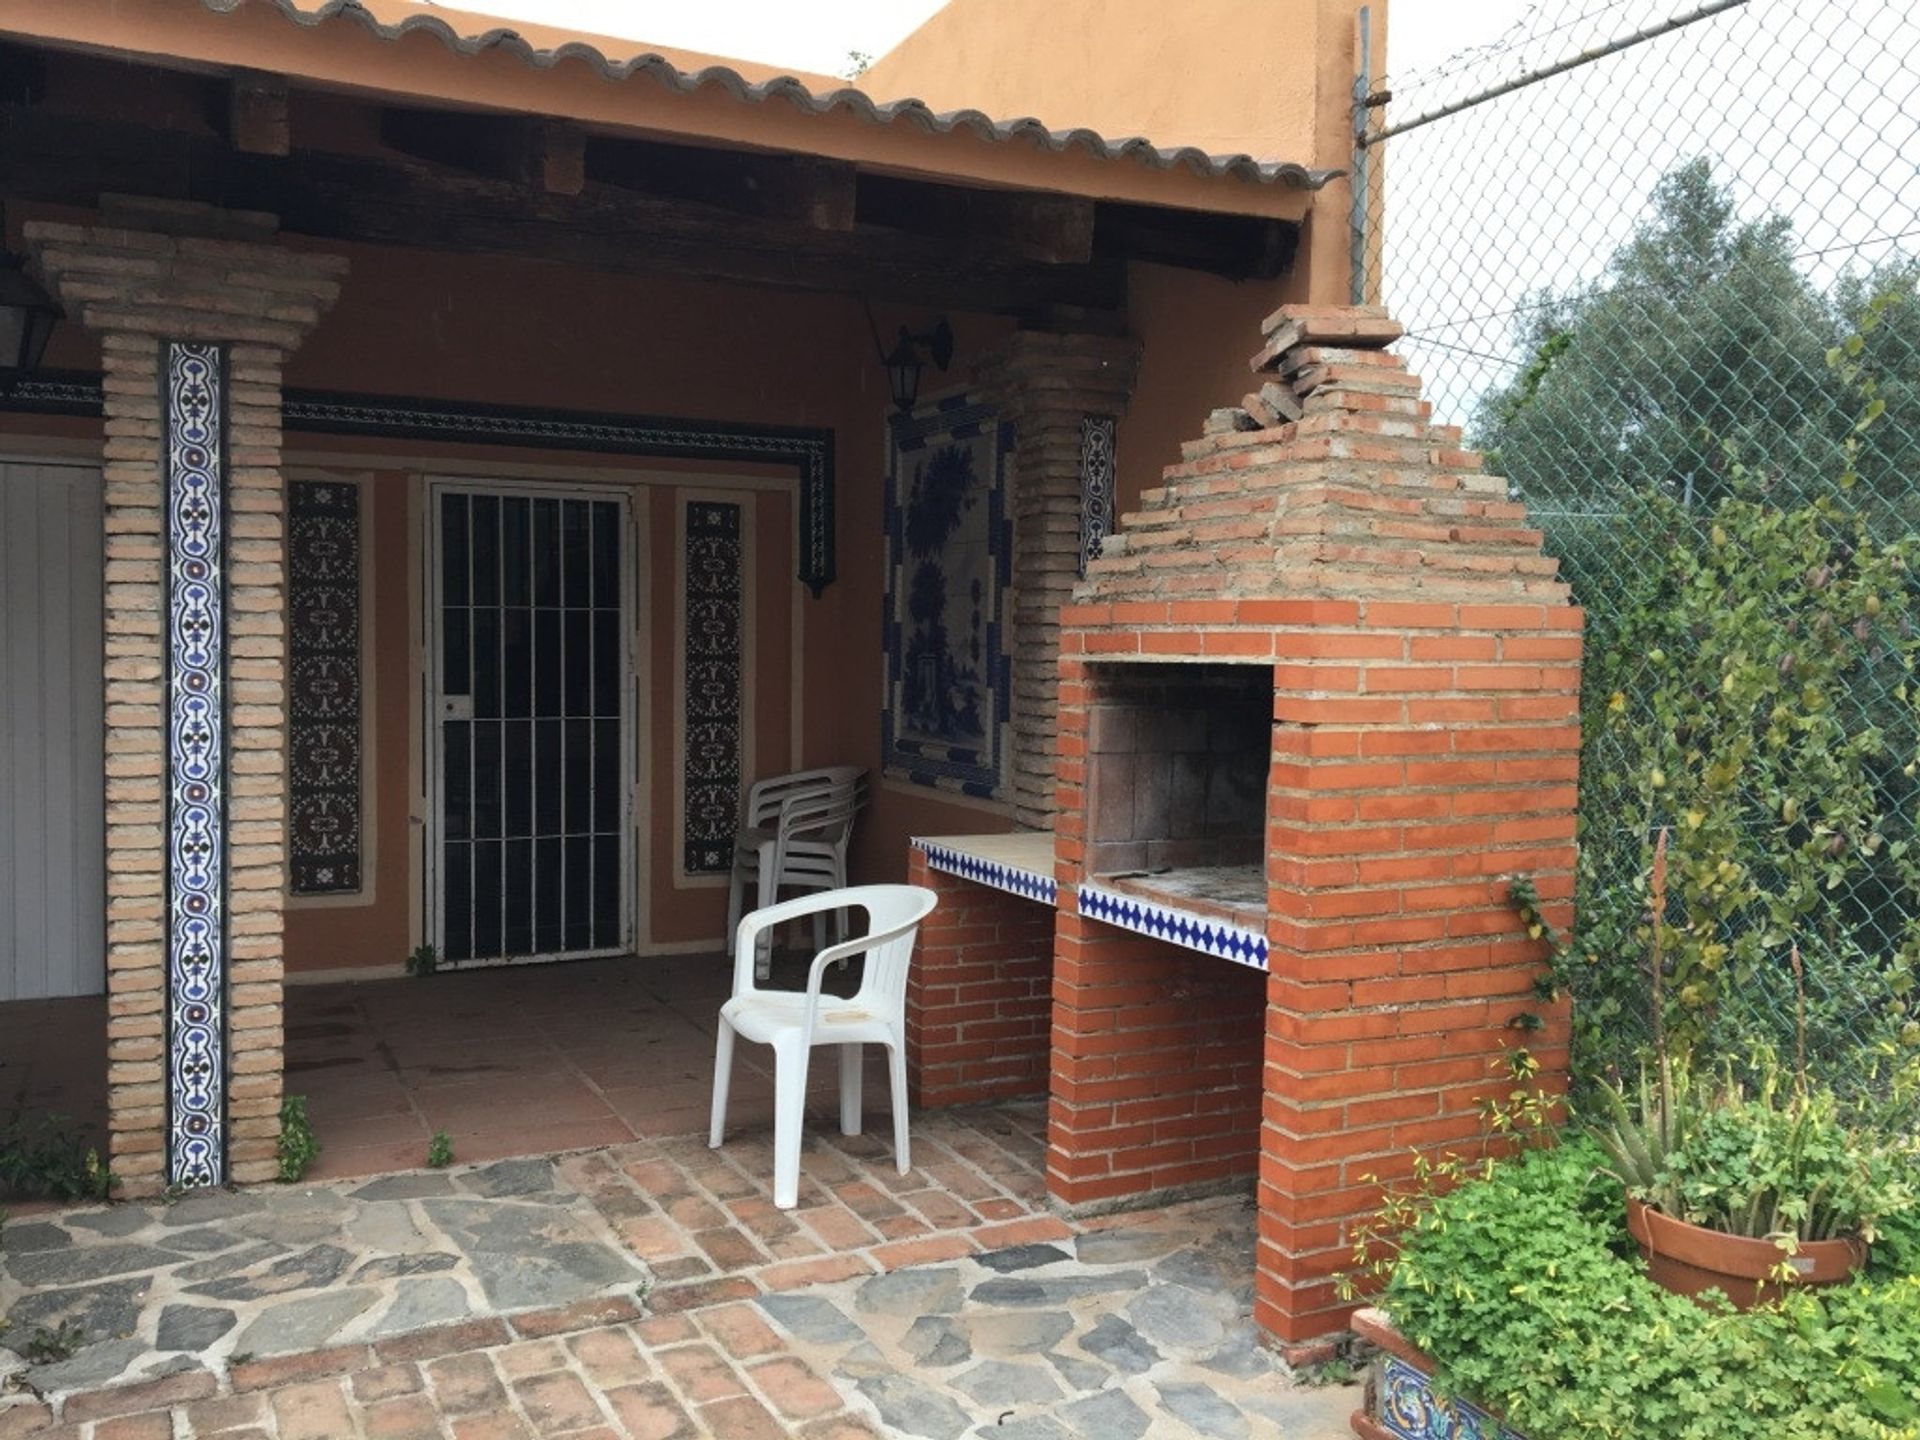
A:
(1410, 1410)
(1177, 927)
(195, 479)
(713, 685)
(1096, 485)
(1028, 884)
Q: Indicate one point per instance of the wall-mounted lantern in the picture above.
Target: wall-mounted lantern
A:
(905, 361)
(27, 316)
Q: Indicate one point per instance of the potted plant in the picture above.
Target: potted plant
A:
(1743, 1188)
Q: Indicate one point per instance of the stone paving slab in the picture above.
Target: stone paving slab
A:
(933, 1303)
(204, 1282)
(153, 1289)
(1154, 1343)
(1140, 1328)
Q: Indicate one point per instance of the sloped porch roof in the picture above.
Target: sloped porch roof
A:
(446, 58)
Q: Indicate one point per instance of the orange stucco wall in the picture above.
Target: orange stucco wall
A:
(525, 333)
(1269, 78)
(471, 328)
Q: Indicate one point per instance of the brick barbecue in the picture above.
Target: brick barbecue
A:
(1318, 710)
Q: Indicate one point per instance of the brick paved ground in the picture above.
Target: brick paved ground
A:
(719, 1371)
(696, 1216)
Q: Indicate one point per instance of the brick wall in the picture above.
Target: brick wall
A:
(1156, 1068)
(1425, 682)
(156, 273)
(1432, 761)
(978, 993)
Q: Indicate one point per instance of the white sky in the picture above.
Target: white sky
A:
(804, 34)
(817, 34)
(1807, 108)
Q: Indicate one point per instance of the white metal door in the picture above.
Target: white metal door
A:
(52, 736)
(529, 637)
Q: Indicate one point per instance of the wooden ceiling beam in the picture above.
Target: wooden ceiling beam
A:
(548, 155)
(1052, 229)
(1238, 247)
(23, 75)
(800, 189)
(257, 119)
(69, 159)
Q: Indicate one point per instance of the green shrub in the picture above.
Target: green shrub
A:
(1524, 1287)
(1753, 699)
(440, 1150)
(298, 1147)
(49, 1347)
(49, 1158)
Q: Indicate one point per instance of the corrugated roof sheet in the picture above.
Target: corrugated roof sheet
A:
(908, 111)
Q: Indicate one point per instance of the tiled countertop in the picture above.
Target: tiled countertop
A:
(1218, 910)
(1020, 862)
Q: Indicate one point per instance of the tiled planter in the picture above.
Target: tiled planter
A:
(1401, 1404)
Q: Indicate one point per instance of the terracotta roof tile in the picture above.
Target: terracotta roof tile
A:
(534, 48)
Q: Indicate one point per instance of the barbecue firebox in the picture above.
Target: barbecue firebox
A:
(1177, 761)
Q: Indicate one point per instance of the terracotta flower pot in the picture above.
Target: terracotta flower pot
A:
(1688, 1259)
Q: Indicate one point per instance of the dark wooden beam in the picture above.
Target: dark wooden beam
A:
(556, 157)
(23, 76)
(257, 122)
(1053, 229)
(547, 154)
(68, 159)
(1239, 247)
(801, 189)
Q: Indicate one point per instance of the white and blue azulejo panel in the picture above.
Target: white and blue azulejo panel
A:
(1177, 927)
(1409, 1410)
(1028, 884)
(196, 765)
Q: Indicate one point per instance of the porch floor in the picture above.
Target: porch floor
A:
(530, 1060)
(53, 1063)
(644, 1284)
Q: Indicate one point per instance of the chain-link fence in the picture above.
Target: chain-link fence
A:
(1658, 258)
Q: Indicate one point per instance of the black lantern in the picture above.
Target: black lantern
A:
(904, 364)
(27, 315)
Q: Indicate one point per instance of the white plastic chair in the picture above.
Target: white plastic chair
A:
(794, 1021)
(795, 838)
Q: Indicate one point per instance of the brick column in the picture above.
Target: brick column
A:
(1425, 748)
(1050, 386)
(978, 996)
(196, 310)
(1425, 755)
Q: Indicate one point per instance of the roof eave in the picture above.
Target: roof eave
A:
(340, 45)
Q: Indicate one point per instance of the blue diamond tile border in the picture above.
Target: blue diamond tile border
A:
(1177, 927)
(1027, 884)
